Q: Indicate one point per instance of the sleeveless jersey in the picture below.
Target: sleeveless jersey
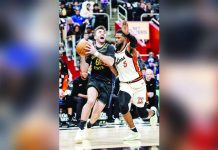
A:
(100, 71)
(127, 66)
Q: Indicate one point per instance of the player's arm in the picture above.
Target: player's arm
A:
(114, 70)
(132, 40)
(107, 60)
(83, 64)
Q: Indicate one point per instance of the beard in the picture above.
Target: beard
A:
(119, 46)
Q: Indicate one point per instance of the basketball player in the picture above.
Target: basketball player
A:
(132, 84)
(101, 57)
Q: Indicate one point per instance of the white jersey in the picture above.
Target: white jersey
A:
(127, 66)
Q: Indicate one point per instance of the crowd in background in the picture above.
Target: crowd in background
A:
(77, 18)
(135, 9)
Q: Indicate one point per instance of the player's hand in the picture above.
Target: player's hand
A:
(90, 49)
(125, 28)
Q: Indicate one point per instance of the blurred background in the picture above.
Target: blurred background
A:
(189, 50)
(29, 74)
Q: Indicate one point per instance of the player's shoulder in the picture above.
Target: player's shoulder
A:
(110, 47)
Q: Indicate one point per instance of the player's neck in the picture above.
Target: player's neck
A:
(99, 44)
(122, 47)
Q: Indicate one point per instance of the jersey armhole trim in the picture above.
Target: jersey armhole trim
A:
(128, 54)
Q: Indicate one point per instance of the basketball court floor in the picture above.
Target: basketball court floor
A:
(110, 137)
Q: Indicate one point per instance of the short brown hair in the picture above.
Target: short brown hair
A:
(98, 28)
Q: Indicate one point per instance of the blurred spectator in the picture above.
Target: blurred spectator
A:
(140, 61)
(84, 4)
(152, 1)
(70, 11)
(152, 63)
(63, 10)
(77, 18)
(149, 7)
(114, 3)
(76, 6)
(99, 19)
(129, 9)
(139, 11)
(86, 12)
(62, 23)
(62, 68)
(70, 29)
(63, 85)
(151, 89)
(70, 32)
(61, 48)
(77, 32)
(104, 4)
(113, 109)
(96, 9)
(89, 34)
(141, 64)
(86, 36)
(79, 93)
(69, 20)
(74, 30)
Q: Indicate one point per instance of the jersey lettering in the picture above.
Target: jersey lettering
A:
(119, 60)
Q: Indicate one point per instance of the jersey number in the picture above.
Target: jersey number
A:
(98, 62)
(125, 64)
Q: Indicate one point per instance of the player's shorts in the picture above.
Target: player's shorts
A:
(104, 89)
(136, 90)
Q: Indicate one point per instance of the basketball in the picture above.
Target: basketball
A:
(80, 47)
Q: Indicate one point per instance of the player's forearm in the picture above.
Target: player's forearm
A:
(107, 60)
(132, 40)
(83, 64)
(114, 70)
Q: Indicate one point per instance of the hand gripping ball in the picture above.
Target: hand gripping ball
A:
(80, 47)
